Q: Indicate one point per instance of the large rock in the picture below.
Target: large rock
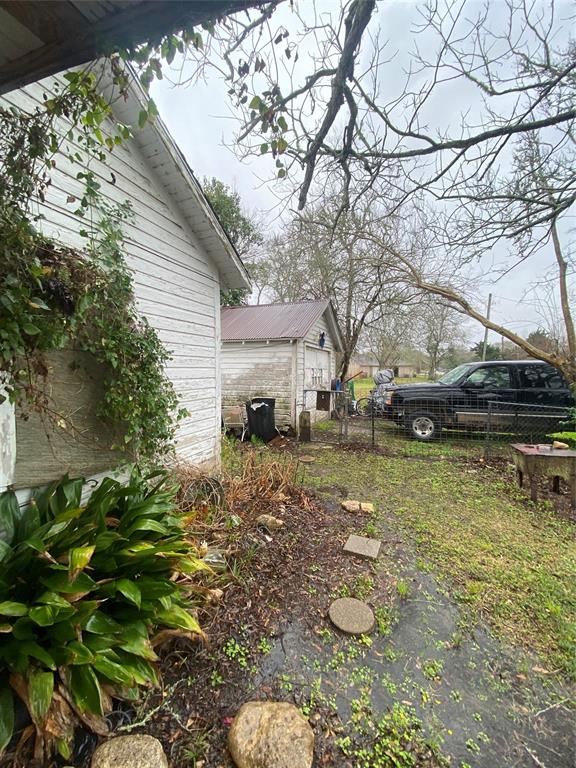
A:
(137, 751)
(268, 734)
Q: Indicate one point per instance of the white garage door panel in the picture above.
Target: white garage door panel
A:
(317, 374)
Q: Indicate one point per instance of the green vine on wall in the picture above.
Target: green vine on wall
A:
(53, 297)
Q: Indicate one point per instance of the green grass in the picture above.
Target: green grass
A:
(387, 435)
(509, 562)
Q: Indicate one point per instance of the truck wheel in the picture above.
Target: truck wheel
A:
(423, 425)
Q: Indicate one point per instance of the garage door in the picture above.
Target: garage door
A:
(317, 373)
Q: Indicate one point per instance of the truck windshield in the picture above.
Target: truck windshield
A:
(456, 373)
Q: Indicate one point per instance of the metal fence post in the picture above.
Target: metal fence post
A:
(372, 417)
(488, 430)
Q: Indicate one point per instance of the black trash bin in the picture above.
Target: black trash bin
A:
(261, 420)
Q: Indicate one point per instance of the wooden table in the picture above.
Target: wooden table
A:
(533, 461)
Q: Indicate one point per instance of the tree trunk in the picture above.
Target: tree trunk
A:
(564, 294)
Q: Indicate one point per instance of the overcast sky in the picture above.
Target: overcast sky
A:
(201, 121)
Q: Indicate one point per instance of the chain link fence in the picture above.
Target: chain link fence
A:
(491, 423)
(325, 416)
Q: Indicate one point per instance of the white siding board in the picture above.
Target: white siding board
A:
(312, 341)
(141, 191)
(153, 229)
(218, 415)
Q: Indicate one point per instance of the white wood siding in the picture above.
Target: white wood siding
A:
(255, 368)
(176, 284)
(307, 361)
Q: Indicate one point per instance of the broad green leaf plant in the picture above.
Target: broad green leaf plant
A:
(83, 590)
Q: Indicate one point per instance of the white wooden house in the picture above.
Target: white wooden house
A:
(180, 257)
(280, 351)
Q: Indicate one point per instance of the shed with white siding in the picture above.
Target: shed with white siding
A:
(279, 351)
(180, 258)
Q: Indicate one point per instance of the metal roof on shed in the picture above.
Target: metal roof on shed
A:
(272, 321)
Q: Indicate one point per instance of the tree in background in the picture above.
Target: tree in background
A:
(388, 336)
(501, 173)
(416, 326)
(239, 225)
(455, 355)
(543, 340)
(441, 328)
(493, 351)
(321, 255)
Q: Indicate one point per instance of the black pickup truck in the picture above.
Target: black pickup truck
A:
(502, 391)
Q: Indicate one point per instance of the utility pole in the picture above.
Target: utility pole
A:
(486, 329)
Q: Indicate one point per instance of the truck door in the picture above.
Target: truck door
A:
(543, 396)
(490, 384)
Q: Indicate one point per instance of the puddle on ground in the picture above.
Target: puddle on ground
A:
(478, 700)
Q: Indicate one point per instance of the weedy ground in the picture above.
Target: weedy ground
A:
(471, 659)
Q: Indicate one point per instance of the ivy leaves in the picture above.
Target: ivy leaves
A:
(138, 394)
(52, 297)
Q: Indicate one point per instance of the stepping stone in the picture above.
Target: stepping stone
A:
(352, 505)
(271, 734)
(363, 547)
(307, 459)
(135, 751)
(351, 616)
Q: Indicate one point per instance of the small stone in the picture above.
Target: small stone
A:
(270, 522)
(560, 446)
(267, 734)
(365, 506)
(351, 616)
(363, 547)
(137, 751)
